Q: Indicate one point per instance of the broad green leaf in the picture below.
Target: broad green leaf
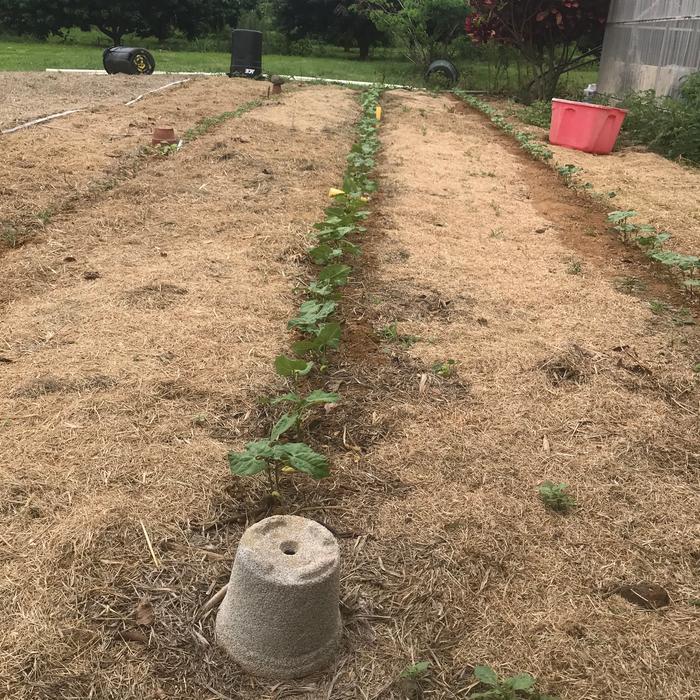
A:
(322, 290)
(673, 259)
(617, 216)
(523, 681)
(285, 423)
(416, 670)
(291, 397)
(328, 337)
(289, 367)
(320, 396)
(253, 460)
(323, 253)
(486, 675)
(300, 456)
(310, 313)
(335, 274)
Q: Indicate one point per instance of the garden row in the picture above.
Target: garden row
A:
(316, 324)
(645, 236)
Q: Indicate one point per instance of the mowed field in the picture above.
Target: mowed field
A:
(144, 298)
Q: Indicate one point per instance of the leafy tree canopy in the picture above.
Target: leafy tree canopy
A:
(554, 36)
(329, 20)
(423, 28)
(115, 18)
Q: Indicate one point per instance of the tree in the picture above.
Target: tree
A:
(423, 28)
(553, 36)
(115, 18)
(330, 20)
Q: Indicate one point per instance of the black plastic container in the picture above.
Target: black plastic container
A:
(125, 59)
(246, 54)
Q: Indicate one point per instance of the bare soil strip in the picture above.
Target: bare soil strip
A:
(666, 194)
(141, 331)
(61, 163)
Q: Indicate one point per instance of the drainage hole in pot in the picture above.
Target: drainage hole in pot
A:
(289, 547)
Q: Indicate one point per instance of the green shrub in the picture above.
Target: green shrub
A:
(669, 126)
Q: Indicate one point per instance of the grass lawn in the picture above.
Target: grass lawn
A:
(36, 56)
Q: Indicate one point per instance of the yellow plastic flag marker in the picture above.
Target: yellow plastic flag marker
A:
(333, 192)
(378, 112)
(364, 199)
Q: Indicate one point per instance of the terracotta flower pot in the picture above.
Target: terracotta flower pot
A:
(163, 135)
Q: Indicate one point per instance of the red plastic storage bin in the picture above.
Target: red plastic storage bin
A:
(584, 126)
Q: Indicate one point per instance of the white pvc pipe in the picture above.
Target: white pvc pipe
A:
(39, 121)
(302, 79)
(158, 89)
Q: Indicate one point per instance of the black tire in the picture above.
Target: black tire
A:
(125, 59)
(442, 68)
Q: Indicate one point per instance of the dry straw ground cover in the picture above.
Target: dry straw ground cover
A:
(489, 345)
(53, 168)
(29, 96)
(136, 337)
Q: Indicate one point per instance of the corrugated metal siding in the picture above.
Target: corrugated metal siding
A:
(650, 45)
(644, 10)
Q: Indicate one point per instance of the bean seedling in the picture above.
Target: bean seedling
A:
(555, 497)
(519, 686)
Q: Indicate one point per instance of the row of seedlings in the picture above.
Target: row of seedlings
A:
(284, 451)
(645, 236)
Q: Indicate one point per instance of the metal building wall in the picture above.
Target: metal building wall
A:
(649, 45)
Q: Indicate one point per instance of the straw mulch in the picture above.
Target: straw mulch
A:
(129, 388)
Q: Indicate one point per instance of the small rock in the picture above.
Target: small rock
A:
(242, 139)
(645, 594)
(91, 275)
(69, 258)
(541, 229)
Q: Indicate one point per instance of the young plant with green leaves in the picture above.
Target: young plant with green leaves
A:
(445, 369)
(391, 334)
(299, 408)
(420, 668)
(555, 497)
(491, 687)
(527, 141)
(273, 457)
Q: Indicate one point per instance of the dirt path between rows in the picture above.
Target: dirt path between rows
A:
(560, 376)
(665, 194)
(61, 164)
(139, 334)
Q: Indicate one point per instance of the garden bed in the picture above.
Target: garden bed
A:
(494, 336)
(29, 96)
(665, 193)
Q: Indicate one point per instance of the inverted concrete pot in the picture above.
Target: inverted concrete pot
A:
(280, 617)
